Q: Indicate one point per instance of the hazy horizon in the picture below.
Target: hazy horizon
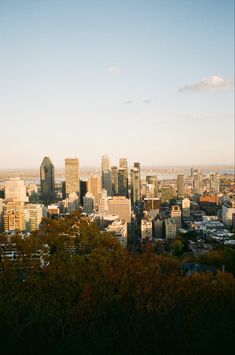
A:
(150, 80)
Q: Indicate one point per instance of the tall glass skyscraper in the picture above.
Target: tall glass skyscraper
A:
(106, 175)
(47, 176)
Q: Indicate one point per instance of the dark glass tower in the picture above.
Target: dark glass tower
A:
(47, 176)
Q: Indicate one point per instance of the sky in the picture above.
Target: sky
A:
(150, 80)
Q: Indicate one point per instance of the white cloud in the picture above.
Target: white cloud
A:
(210, 83)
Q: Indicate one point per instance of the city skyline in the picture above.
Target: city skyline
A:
(149, 80)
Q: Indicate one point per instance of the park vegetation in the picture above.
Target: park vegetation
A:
(89, 295)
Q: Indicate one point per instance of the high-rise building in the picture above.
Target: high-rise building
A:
(214, 183)
(83, 189)
(227, 214)
(33, 216)
(72, 176)
(186, 207)
(152, 179)
(123, 163)
(170, 228)
(114, 171)
(88, 203)
(122, 182)
(180, 184)
(197, 183)
(103, 202)
(15, 189)
(166, 193)
(14, 216)
(123, 177)
(137, 166)
(135, 186)
(47, 176)
(94, 186)
(176, 216)
(120, 206)
(158, 228)
(106, 175)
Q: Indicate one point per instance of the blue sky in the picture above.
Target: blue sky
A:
(151, 80)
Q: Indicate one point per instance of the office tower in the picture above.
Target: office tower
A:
(120, 206)
(166, 193)
(106, 175)
(123, 164)
(158, 228)
(170, 228)
(72, 176)
(94, 186)
(180, 184)
(214, 183)
(146, 230)
(14, 216)
(83, 189)
(47, 176)
(33, 216)
(15, 189)
(135, 186)
(197, 183)
(114, 172)
(137, 166)
(123, 167)
(186, 207)
(152, 179)
(176, 216)
(88, 203)
(122, 182)
(103, 202)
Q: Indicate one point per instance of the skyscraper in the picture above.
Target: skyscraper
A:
(176, 216)
(135, 186)
(122, 182)
(103, 202)
(166, 193)
(106, 175)
(180, 184)
(114, 171)
(94, 186)
(214, 183)
(47, 176)
(186, 207)
(152, 179)
(137, 166)
(123, 168)
(83, 189)
(88, 203)
(197, 183)
(72, 175)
